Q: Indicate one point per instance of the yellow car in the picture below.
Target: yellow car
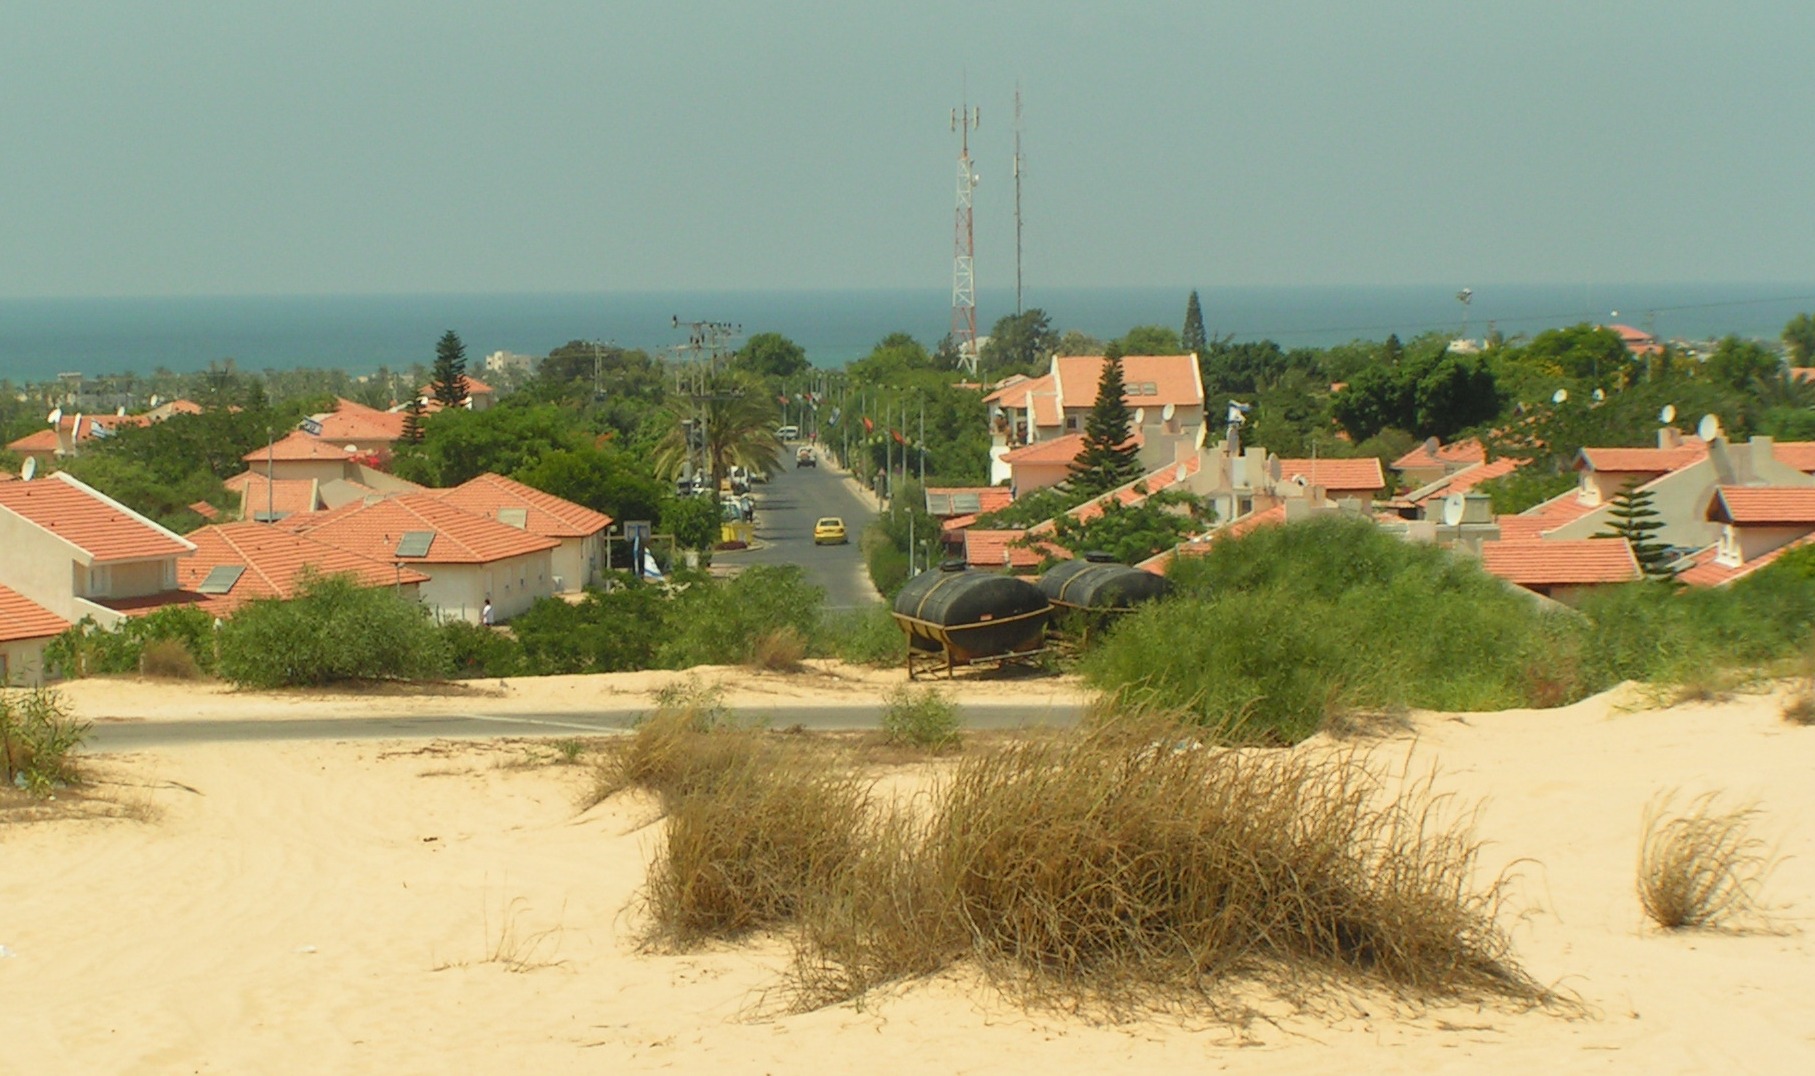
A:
(829, 531)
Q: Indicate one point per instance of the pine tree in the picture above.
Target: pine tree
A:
(1108, 459)
(412, 422)
(1638, 523)
(448, 381)
(1193, 339)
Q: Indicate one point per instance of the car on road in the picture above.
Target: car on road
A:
(805, 458)
(788, 433)
(829, 531)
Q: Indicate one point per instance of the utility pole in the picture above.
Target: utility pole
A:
(964, 284)
(697, 377)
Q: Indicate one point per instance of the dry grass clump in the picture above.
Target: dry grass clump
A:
(169, 659)
(687, 740)
(779, 650)
(1105, 869)
(925, 718)
(1701, 867)
(1799, 708)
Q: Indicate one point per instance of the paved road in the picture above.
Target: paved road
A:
(137, 735)
(786, 508)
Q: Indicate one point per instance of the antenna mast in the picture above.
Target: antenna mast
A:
(964, 285)
(1018, 310)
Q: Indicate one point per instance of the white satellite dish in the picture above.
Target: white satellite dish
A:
(1667, 415)
(154, 400)
(1559, 396)
(120, 411)
(1167, 412)
(1453, 507)
(28, 468)
(55, 416)
(1140, 416)
(1599, 395)
(352, 449)
(1708, 428)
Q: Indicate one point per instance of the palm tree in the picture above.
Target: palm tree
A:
(739, 431)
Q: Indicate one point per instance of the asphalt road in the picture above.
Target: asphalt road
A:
(108, 736)
(787, 507)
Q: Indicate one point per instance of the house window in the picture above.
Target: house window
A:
(100, 581)
(1071, 423)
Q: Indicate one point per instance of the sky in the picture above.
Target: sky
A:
(180, 148)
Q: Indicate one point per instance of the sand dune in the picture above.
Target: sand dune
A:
(445, 908)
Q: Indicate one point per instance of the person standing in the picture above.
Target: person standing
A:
(485, 613)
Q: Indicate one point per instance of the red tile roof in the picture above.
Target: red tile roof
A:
(544, 513)
(1643, 460)
(1128, 495)
(1036, 394)
(958, 523)
(274, 558)
(1564, 508)
(1705, 572)
(22, 618)
(1460, 452)
(1763, 506)
(1797, 454)
(102, 528)
(1174, 379)
(1336, 475)
(1057, 450)
(1546, 562)
(285, 497)
(354, 421)
(297, 445)
(40, 441)
(1466, 479)
(374, 529)
(996, 549)
(474, 386)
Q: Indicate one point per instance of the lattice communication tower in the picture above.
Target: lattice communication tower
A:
(964, 284)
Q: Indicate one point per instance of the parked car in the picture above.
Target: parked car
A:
(805, 458)
(829, 531)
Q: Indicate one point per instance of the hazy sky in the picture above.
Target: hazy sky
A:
(165, 147)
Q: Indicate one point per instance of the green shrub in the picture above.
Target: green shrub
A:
(926, 718)
(476, 651)
(86, 649)
(615, 630)
(719, 622)
(333, 630)
(866, 636)
(38, 735)
(169, 659)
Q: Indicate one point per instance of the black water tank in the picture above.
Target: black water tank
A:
(978, 614)
(1094, 584)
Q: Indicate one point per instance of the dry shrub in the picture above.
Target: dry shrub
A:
(170, 659)
(779, 650)
(684, 745)
(1700, 867)
(925, 718)
(750, 849)
(1799, 708)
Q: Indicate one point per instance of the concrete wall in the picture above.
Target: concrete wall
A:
(578, 562)
(1032, 476)
(22, 662)
(319, 470)
(458, 591)
(39, 565)
(1740, 545)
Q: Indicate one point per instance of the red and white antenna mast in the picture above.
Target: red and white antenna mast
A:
(964, 284)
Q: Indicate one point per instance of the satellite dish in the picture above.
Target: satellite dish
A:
(1708, 428)
(1167, 412)
(1667, 415)
(1300, 481)
(351, 449)
(1559, 396)
(154, 400)
(120, 411)
(55, 416)
(1452, 511)
(28, 468)
(1431, 445)
(1599, 395)
(1140, 416)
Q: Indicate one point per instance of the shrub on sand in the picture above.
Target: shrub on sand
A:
(867, 636)
(169, 659)
(1799, 708)
(1700, 867)
(685, 744)
(926, 718)
(38, 737)
(779, 650)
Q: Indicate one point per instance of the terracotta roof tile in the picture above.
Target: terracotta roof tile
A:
(461, 537)
(1759, 506)
(105, 530)
(996, 549)
(1174, 379)
(1466, 479)
(1547, 562)
(1797, 454)
(1704, 571)
(297, 445)
(284, 497)
(1056, 450)
(274, 559)
(1336, 475)
(353, 421)
(1459, 452)
(1643, 460)
(544, 513)
(1128, 495)
(22, 618)
(474, 386)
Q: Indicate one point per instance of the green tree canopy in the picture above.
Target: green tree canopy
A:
(1799, 339)
(1425, 390)
(772, 355)
(1108, 459)
(1737, 363)
(448, 378)
(1020, 343)
(740, 420)
(1151, 340)
(894, 355)
(458, 444)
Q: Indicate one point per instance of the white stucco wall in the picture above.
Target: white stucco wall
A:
(22, 662)
(458, 591)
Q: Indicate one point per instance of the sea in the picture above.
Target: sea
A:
(41, 338)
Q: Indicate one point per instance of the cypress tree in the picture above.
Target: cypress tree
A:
(412, 421)
(1636, 521)
(1193, 339)
(1108, 459)
(448, 380)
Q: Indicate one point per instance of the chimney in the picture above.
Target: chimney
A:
(1669, 437)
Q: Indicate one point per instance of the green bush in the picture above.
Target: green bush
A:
(925, 718)
(476, 651)
(333, 630)
(867, 636)
(37, 737)
(614, 630)
(718, 623)
(86, 649)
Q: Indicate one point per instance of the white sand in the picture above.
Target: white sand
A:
(331, 908)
